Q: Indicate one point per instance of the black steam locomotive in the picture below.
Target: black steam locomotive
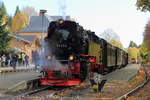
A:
(82, 51)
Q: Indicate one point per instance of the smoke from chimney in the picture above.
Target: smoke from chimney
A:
(63, 8)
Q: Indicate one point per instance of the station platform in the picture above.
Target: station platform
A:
(18, 69)
(9, 80)
(123, 75)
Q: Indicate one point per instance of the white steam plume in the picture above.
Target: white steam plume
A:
(52, 63)
(62, 5)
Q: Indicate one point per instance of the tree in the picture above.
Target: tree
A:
(110, 36)
(132, 44)
(147, 35)
(143, 5)
(29, 11)
(19, 21)
(17, 10)
(144, 52)
(3, 8)
(9, 23)
(3, 13)
(5, 17)
(4, 38)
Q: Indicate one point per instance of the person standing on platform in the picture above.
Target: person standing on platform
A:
(27, 60)
(3, 60)
(19, 59)
(23, 59)
(14, 61)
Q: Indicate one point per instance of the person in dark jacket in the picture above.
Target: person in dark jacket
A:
(27, 60)
(14, 61)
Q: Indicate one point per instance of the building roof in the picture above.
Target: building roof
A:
(37, 24)
(40, 23)
(29, 38)
(26, 38)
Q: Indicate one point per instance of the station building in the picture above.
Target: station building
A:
(28, 40)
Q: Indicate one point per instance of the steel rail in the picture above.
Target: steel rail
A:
(32, 91)
(123, 97)
(10, 97)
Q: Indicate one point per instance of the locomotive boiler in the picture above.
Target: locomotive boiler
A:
(76, 53)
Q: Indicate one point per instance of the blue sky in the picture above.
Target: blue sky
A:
(96, 15)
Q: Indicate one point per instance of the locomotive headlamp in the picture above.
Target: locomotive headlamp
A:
(71, 58)
(61, 21)
(49, 57)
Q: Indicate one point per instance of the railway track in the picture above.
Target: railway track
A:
(123, 97)
(22, 94)
(32, 91)
(137, 88)
(45, 93)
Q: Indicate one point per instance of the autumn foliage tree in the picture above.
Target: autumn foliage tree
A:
(143, 5)
(144, 52)
(147, 35)
(110, 36)
(19, 21)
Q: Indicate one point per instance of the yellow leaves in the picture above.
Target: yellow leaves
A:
(143, 5)
(19, 22)
(143, 49)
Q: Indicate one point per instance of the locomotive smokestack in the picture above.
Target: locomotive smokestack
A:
(42, 12)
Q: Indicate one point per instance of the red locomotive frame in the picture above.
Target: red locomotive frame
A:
(73, 75)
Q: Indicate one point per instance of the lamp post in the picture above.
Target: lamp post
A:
(42, 12)
(41, 62)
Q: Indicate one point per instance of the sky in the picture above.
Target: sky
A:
(121, 16)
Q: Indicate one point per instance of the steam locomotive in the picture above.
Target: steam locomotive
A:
(76, 54)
